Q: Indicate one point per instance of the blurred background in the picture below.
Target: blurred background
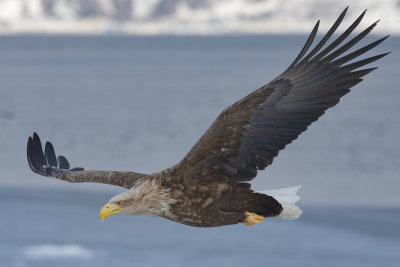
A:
(132, 84)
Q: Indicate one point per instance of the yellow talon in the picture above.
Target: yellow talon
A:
(252, 218)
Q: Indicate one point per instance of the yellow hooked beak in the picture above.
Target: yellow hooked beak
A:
(109, 209)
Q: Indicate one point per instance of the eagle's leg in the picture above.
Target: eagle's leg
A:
(252, 218)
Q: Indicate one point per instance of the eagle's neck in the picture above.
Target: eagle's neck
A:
(150, 197)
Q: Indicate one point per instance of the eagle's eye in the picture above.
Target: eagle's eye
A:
(119, 203)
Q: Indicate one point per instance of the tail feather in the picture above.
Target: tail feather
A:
(287, 197)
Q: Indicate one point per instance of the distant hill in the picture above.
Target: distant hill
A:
(186, 16)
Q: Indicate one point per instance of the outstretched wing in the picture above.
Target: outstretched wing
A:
(248, 135)
(47, 164)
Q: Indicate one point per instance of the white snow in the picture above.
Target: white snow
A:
(189, 17)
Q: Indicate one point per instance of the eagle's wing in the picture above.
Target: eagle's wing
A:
(248, 135)
(47, 164)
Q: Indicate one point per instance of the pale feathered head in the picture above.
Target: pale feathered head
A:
(145, 197)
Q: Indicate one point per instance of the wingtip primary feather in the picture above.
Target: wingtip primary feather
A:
(327, 36)
(35, 155)
(63, 163)
(316, 54)
(50, 155)
(307, 45)
(349, 57)
(31, 158)
(340, 39)
(46, 163)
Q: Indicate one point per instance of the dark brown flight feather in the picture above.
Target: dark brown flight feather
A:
(248, 135)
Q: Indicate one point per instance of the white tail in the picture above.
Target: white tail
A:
(287, 197)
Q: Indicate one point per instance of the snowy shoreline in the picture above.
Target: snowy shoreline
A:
(185, 17)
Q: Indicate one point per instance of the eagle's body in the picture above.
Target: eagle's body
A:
(214, 202)
(209, 186)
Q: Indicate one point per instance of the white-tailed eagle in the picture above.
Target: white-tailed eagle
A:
(209, 186)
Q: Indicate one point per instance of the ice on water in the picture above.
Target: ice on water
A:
(55, 252)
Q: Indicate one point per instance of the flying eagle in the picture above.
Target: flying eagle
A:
(209, 187)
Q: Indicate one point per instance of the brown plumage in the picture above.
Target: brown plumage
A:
(208, 187)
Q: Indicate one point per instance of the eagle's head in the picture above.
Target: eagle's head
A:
(123, 203)
(145, 197)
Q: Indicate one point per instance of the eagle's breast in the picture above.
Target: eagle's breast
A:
(192, 202)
